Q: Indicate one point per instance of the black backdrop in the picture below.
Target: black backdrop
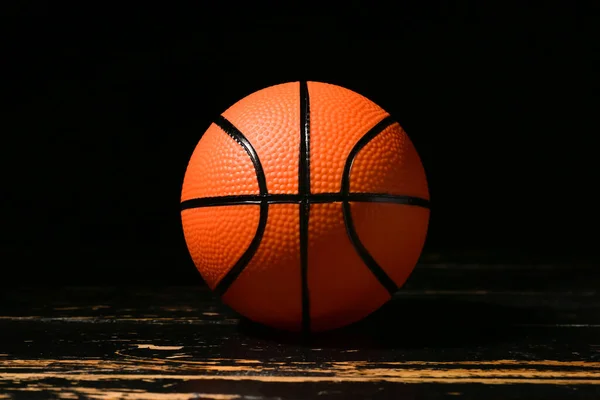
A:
(104, 106)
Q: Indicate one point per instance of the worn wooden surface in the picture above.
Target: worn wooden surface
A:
(454, 331)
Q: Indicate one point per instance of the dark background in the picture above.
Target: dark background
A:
(104, 105)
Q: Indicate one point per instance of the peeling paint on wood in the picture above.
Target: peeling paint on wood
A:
(182, 344)
(416, 376)
(154, 347)
(501, 371)
(103, 394)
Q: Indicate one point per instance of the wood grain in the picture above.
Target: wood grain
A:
(182, 343)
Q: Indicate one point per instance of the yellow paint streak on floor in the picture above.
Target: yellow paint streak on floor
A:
(366, 364)
(583, 364)
(102, 394)
(67, 393)
(505, 371)
(252, 364)
(153, 347)
(436, 377)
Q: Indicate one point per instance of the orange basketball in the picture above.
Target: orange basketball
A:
(305, 206)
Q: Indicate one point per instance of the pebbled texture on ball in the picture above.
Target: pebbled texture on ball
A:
(342, 289)
(208, 232)
(270, 120)
(269, 289)
(393, 235)
(338, 119)
(219, 166)
(389, 163)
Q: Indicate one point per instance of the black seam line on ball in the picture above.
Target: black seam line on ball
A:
(239, 137)
(304, 218)
(383, 278)
(388, 198)
(243, 261)
(304, 157)
(239, 200)
(297, 199)
(304, 192)
(376, 130)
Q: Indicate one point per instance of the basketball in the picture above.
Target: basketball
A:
(305, 206)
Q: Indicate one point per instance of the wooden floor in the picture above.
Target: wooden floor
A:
(454, 331)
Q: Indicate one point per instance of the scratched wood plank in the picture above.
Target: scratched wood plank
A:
(443, 336)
